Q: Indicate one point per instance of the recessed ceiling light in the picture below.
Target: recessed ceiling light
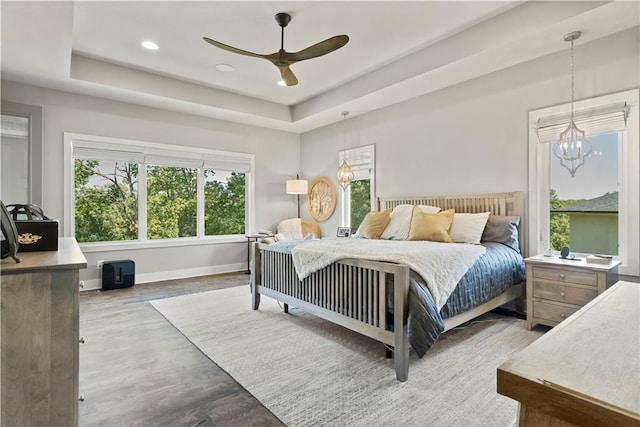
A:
(281, 83)
(225, 68)
(148, 44)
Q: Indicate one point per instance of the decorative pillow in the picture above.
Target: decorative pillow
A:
(398, 227)
(280, 237)
(429, 209)
(431, 226)
(374, 224)
(468, 227)
(502, 229)
(290, 229)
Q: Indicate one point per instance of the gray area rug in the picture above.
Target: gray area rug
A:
(310, 372)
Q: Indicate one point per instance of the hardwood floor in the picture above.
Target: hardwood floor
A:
(136, 369)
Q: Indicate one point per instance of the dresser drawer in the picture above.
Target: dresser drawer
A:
(563, 293)
(552, 312)
(564, 275)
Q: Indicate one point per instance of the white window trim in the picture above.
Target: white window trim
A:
(345, 194)
(628, 169)
(206, 154)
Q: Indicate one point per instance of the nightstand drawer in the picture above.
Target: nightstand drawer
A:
(563, 293)
(564, 275)
(552, 312)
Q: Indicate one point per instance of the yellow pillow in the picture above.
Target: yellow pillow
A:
(430, 226)
(374, 224)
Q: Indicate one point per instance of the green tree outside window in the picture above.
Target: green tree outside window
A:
(106, 201)
(360, 202)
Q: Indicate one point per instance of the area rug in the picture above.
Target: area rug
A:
(310, 372)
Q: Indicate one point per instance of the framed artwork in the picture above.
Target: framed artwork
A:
(344, 232)
(322, 198)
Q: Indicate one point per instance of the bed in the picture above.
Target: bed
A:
(389, 301)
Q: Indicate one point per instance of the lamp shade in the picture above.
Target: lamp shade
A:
(297, 186)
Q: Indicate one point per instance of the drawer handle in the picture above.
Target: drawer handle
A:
(561, 276)
(563, 315)
(562, 294)
(81, 397)
(81, 340)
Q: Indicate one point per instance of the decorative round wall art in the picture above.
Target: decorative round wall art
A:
(322, 198)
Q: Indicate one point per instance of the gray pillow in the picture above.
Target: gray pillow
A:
(502, 229)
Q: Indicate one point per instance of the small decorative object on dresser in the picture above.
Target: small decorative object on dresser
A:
(599, 259)
(344, 232)
(556, 287)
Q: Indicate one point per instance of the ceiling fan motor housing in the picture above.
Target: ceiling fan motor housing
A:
(283, 19)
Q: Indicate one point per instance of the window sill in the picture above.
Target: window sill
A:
(164, 243)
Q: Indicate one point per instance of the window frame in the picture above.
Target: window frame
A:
(628, 172)
(176, 151)
(365, 151)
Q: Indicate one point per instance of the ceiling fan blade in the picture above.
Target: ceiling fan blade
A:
(288, 76)
(319, 49)
(232, 49)
(283, 59)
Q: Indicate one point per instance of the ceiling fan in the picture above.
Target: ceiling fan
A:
(283, 59)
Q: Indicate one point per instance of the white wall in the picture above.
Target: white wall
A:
(277, 158)
(472, 137)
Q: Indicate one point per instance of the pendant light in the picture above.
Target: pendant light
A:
(573, 147)
(345, 173)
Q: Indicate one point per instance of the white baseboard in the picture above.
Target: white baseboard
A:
(93, 284)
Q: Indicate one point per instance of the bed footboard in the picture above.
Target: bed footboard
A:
(351, 293)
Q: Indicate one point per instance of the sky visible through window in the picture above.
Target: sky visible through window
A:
(597, 176)
(108, 166)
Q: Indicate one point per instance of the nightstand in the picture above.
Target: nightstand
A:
(556, 288)
(253, 237)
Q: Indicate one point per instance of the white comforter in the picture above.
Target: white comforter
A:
(441, 265)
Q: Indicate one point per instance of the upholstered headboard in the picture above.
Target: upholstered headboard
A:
(497, 203)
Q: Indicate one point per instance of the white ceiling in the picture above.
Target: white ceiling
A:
(397, 50)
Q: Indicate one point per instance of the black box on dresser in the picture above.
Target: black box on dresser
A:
(37, 235)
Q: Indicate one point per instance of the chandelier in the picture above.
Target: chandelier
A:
(573, 147)
(345, 173)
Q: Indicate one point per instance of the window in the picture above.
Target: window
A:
(171, 202)
(224, 198)
(359, 197)
(583, 209)
(596, 211)
(131, 191)
(106, 200)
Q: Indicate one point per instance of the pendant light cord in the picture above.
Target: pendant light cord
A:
(344, 133)
(572, 81)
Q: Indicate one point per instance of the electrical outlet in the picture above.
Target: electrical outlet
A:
(99, 264)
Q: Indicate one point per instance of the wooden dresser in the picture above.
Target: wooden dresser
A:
(39, 339)
(585, 371)
(557, 288)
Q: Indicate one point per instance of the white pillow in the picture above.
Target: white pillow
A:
(400, 222)
(429, 209)
(289, 229)
(468, 227)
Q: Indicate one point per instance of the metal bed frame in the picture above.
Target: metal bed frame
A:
(352, 292)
